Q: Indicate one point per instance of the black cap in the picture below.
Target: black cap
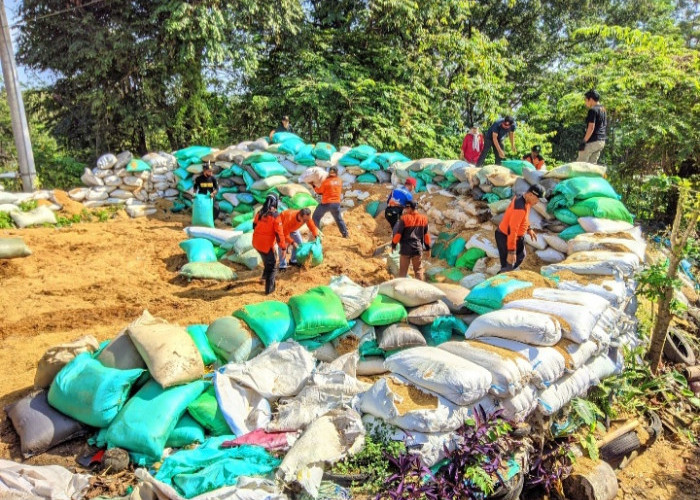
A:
(509, 119)
(537, 148)
(592, 94)
(537, 190)
(411, 204)
(206, 166)
(333, 169)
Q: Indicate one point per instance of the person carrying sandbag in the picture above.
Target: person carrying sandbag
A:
(292, 220)
(206, 183)
(510, 235)
(330, 191)
(397, 201)
(411, 231)
(267, 231)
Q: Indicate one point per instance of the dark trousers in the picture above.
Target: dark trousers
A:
(270, 270)
(392, 215)
(334, 209)
(502, 244)
(489, 145)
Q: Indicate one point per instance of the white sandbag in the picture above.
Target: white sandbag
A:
(90, 179)
(427, 313)
(38, 216)
(217, 236)
(121, 194)
(576, 355)
(239, 244)
(589, 242)
(399, 336)
(510, 371)
(455, 296)
(106, 161)
(371, 365)
(485, 243)
(524, 326)
(9, 207)
(78, 194)
(355, 298)
(411, 292)
(614, 291)
(559, 394)
(556, 242)
(593, 302)
(97, 194)
(597, 225)
(131, 180)
(533, 176)
(598, 263)
(539, 242)
(576, 321)
(348, 179)
(9, 198)
(102, 174)
(550, 255)
(243, 409)
(292, 189)
(520, 405)
(601, 367)
(313, 175)
(140, 210)
(577, 169)
(112, 180)
(94, 203)
(42, 482)
(455, 378)
(292, 167)
(541, 209)
(548, 364)
(471, 280)
(13, 248)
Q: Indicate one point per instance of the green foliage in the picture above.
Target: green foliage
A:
(26, 206)
(6, 221)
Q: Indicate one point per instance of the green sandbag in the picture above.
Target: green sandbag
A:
(490, 198)
(384, 311)
(89, 392)
(316, 342)
(602, 208)
(291, 146)
(372, 207)
(323, 150)
(370, 348)
(244, 208)
(210, 467)
(241, 218)
(246, 198)
(199, 250)
(369, 164)
(148, 418)
(220, 252)
(362, 152)
(205, 410)
(203, 211)
(192, 152)
(182, 173)
(454, 249)
(571, 232)
(271, 321)
(517, 166)
(246, 226)
(441, 330)
(388, 159)
(279, 137)
(250, 258)
(185, 185)
(582, 188)
(269, 168)
(260, 196)
(305, 156)
(317, 311)
(349, 161)
(503, 193)
(559, 202)
(225, 207)
(566, 216)
(259, 157)
(452, 274)
(136, 165)
(488, 295)
(366, 178)
(312, 249)
(248, 179)
(208, 270)
(232, 341)
(186, 432)
(198, 333)
(437, 250)
(299, 201)
(469, 258)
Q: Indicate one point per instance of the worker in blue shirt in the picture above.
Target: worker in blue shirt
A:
(397, 201)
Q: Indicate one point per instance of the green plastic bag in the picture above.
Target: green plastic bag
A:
(559, 202)
(90, 392)
(291, 146)
(349, 161)
(316, 342)
(299, 201)
(186, 432)
(259, 157)
(136, 165)
(362, 152)
(384, 311)
(280, 137)
(199, 250)
(489, 295)
(198, 333)
(369, 164)
(271, 321)
(566, 216)
(232, 341)
(313, 249)
(366, 178)
(582, 188)
(203, 211)
(372, 207)
(441, 329)
(517, 166)
(261, 195)
(205, 410)
(323, 150)
(603, 208)
(317, 311)
(452, 274)
(388, 159)
(571, 232)
(241, 218)
(269, 168)
(208, 270)
(454, 249)
(469, 258)
(305, 156)
(148, 418)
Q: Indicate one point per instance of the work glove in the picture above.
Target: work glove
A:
(582, 146)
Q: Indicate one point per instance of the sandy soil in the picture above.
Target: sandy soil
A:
(94, 278)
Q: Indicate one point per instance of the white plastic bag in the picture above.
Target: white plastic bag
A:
(576, 321)
(550, 255)
(482, 241)
(355, 298)
(524, 326)
(559, 394)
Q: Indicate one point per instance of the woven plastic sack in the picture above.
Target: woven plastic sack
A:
(576, 169)
(12, 248)
(207, 270)
(231, 340)
(56, 357)
(582, 188)
(312, 250)
(524, 326)
(271, 321)
(603, 208)
(595, 225)
(355, 298)
(411, 292)
(250, 258)
(384, 311)
(148, 418)
(203, 211)
(362, 152)
(269, 169)
(490, 294)
(484, 242)
(566, 216)
(279, 137)
(399, 336)
(89, 392)
(39, 216)
(205, 410)
(291, 146)
(186, 432)
(198, 334)
(385, 160)
(454, 249)
(305, 156)
(469, 258)
(366, 178)
(317, 311)
(517, 166)
(323, 151)
(136, 165)
(299, 201)
(199, 250)
(559, 394)
(259, 157)
(427, 313)
(571, 232)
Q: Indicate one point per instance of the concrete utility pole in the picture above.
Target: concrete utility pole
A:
(20, 129)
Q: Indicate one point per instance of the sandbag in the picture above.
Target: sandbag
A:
(39, 426)
(292, 189)
(590, 242)
(199, 250)
(120, 353)
(272, 321)
(576, 169)
(10, 207)
(216, 236)
(599, 263)
(384, 311)
(55, 358)
(411, 292)
(489, 295)
(186, 432)
(427, 313)
(597, 225)
(455, 296)
(582, 188)
(38, 216)
(203, 210)
(168, 350)
(355, 298)
(550, 255)
(232, 341)
(571, 232)
(472, 280)
(317, 311)
(399, 336)
(89, 392)
(484, 242)
(518, 166)
(371, 365)
(312, 250)
(559, 394)
(205, 411)
(12, 248)
(240, 244)
(444, 373)
(539, 242)
(604, 208)
(575, 354)
(148, 418)
(269, 183)
(556, 242)
(250, 258)
(207, 270)
(520, 405)
(299, 201)
(524, 326)
(323, 150)
(314, 175)
(442, 330)
(198, 334)
(454, 249)
(470, 257)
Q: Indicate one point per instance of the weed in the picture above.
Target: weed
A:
(6, 221)
(28, 205)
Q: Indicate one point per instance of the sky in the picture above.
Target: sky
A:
(27, 77)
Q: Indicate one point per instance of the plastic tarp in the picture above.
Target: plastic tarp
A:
(43, 482)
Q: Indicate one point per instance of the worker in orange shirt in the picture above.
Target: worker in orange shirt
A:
(267, 231)
(292, 220)
(411, 232)
(510, 235)
(535, 157)
(330, 191)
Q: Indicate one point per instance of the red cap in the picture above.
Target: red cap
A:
(410, 181)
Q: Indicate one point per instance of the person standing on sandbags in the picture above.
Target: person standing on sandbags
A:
(472, 145)
(284, 126)
(206, 183)
(397, 201)
(267, 231)
(411, 232)
(510, 235)
(494, 140)
(331, 194)
(292, 220)
(596, 129)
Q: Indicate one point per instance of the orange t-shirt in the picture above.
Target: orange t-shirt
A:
(330, 189)
(291, 223)
(267, 231)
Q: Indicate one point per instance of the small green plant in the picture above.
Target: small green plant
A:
(6, 221)
(582, 419)
(28, 205)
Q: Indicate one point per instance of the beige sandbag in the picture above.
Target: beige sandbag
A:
(454, 296)
(427, 313)
(38, 216)
(411, 292)
(13, 248)
(292, 189)
(57, 357)
(577, 169)
(168, 350)
(120, 353)
(501, 176)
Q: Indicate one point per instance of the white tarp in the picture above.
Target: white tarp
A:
(50, 482)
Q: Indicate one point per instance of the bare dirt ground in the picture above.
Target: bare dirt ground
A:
(94, 278)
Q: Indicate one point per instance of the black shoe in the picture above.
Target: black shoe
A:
(282, 269)
(295, 264)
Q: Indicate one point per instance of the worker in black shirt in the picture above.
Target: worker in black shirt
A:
(283, 127)
(493, 139)
(206, 183)
(596, 129)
